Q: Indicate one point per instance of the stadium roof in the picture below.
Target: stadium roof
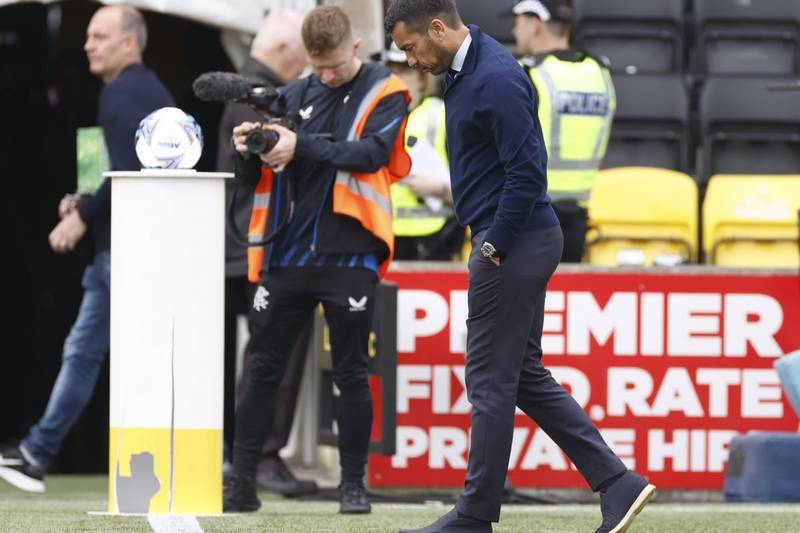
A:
(240, 15)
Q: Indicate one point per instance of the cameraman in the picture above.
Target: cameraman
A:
(277, 57)
(346, 153)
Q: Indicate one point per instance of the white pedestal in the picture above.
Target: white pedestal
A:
(167, 305)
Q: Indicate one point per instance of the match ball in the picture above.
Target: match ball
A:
(169, 138)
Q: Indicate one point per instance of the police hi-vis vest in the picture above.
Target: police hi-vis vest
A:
(364, 196)
(576, 106)
(412, 216)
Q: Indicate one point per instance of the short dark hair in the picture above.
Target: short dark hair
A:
(324, 29)
(417, 14)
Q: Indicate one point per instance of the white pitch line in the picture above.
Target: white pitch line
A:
(174, 524)
(660, 509)
(652, 508)
(732, 508)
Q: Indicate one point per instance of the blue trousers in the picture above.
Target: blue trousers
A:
(84, 352)
(504, 370)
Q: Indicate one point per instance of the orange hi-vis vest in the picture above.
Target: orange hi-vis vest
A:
(361, 195)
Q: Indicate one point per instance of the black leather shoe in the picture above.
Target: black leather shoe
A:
(239, 494)
(275, 476)
(623, 501)
(353, 498)
(452, 522)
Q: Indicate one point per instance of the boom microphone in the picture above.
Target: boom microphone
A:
(221, 87)
(230, 87)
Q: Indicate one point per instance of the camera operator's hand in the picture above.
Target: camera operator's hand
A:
(67, 233)
(240, 134)
(283, 153)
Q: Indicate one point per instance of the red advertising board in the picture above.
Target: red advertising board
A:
(670, 366)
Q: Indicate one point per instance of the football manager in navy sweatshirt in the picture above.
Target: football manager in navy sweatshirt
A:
(498, 168)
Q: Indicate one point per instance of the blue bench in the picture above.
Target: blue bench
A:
(763, 467)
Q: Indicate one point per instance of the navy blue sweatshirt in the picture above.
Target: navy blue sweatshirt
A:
(124, 102)
(314, 171)
(317, 236)
(498, 160)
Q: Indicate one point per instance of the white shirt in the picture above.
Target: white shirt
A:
(461, 55)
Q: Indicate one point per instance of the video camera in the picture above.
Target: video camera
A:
(229, 87)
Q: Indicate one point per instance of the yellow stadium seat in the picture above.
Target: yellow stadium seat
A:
(642, 216)
(466, 248)
(751, 221)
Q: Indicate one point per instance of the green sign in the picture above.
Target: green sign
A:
(92, 159)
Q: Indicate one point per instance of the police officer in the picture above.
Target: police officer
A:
(424, 224)
(576, 107)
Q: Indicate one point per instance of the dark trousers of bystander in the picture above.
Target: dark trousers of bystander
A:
(573, 220)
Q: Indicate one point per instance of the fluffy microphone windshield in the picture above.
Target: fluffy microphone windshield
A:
(221, 87)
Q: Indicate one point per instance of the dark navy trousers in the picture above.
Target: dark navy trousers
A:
(504, 370)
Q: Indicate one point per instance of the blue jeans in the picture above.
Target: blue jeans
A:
(84, 351)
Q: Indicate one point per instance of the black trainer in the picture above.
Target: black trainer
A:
(20, 472)
(239, 494)
(353, 498)
(275, 476)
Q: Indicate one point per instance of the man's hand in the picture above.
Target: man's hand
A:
(495, 260)
(67, 205)
(240, 133)
(423, 185)
(283, 152)
(67, 233)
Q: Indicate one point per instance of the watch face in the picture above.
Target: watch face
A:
(487, 250)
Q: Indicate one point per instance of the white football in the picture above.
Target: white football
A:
(169, 138)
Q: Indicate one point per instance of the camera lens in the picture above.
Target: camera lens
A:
(260, 141)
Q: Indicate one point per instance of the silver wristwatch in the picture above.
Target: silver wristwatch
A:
(488, 250)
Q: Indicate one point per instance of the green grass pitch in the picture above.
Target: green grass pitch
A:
(69, 499)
